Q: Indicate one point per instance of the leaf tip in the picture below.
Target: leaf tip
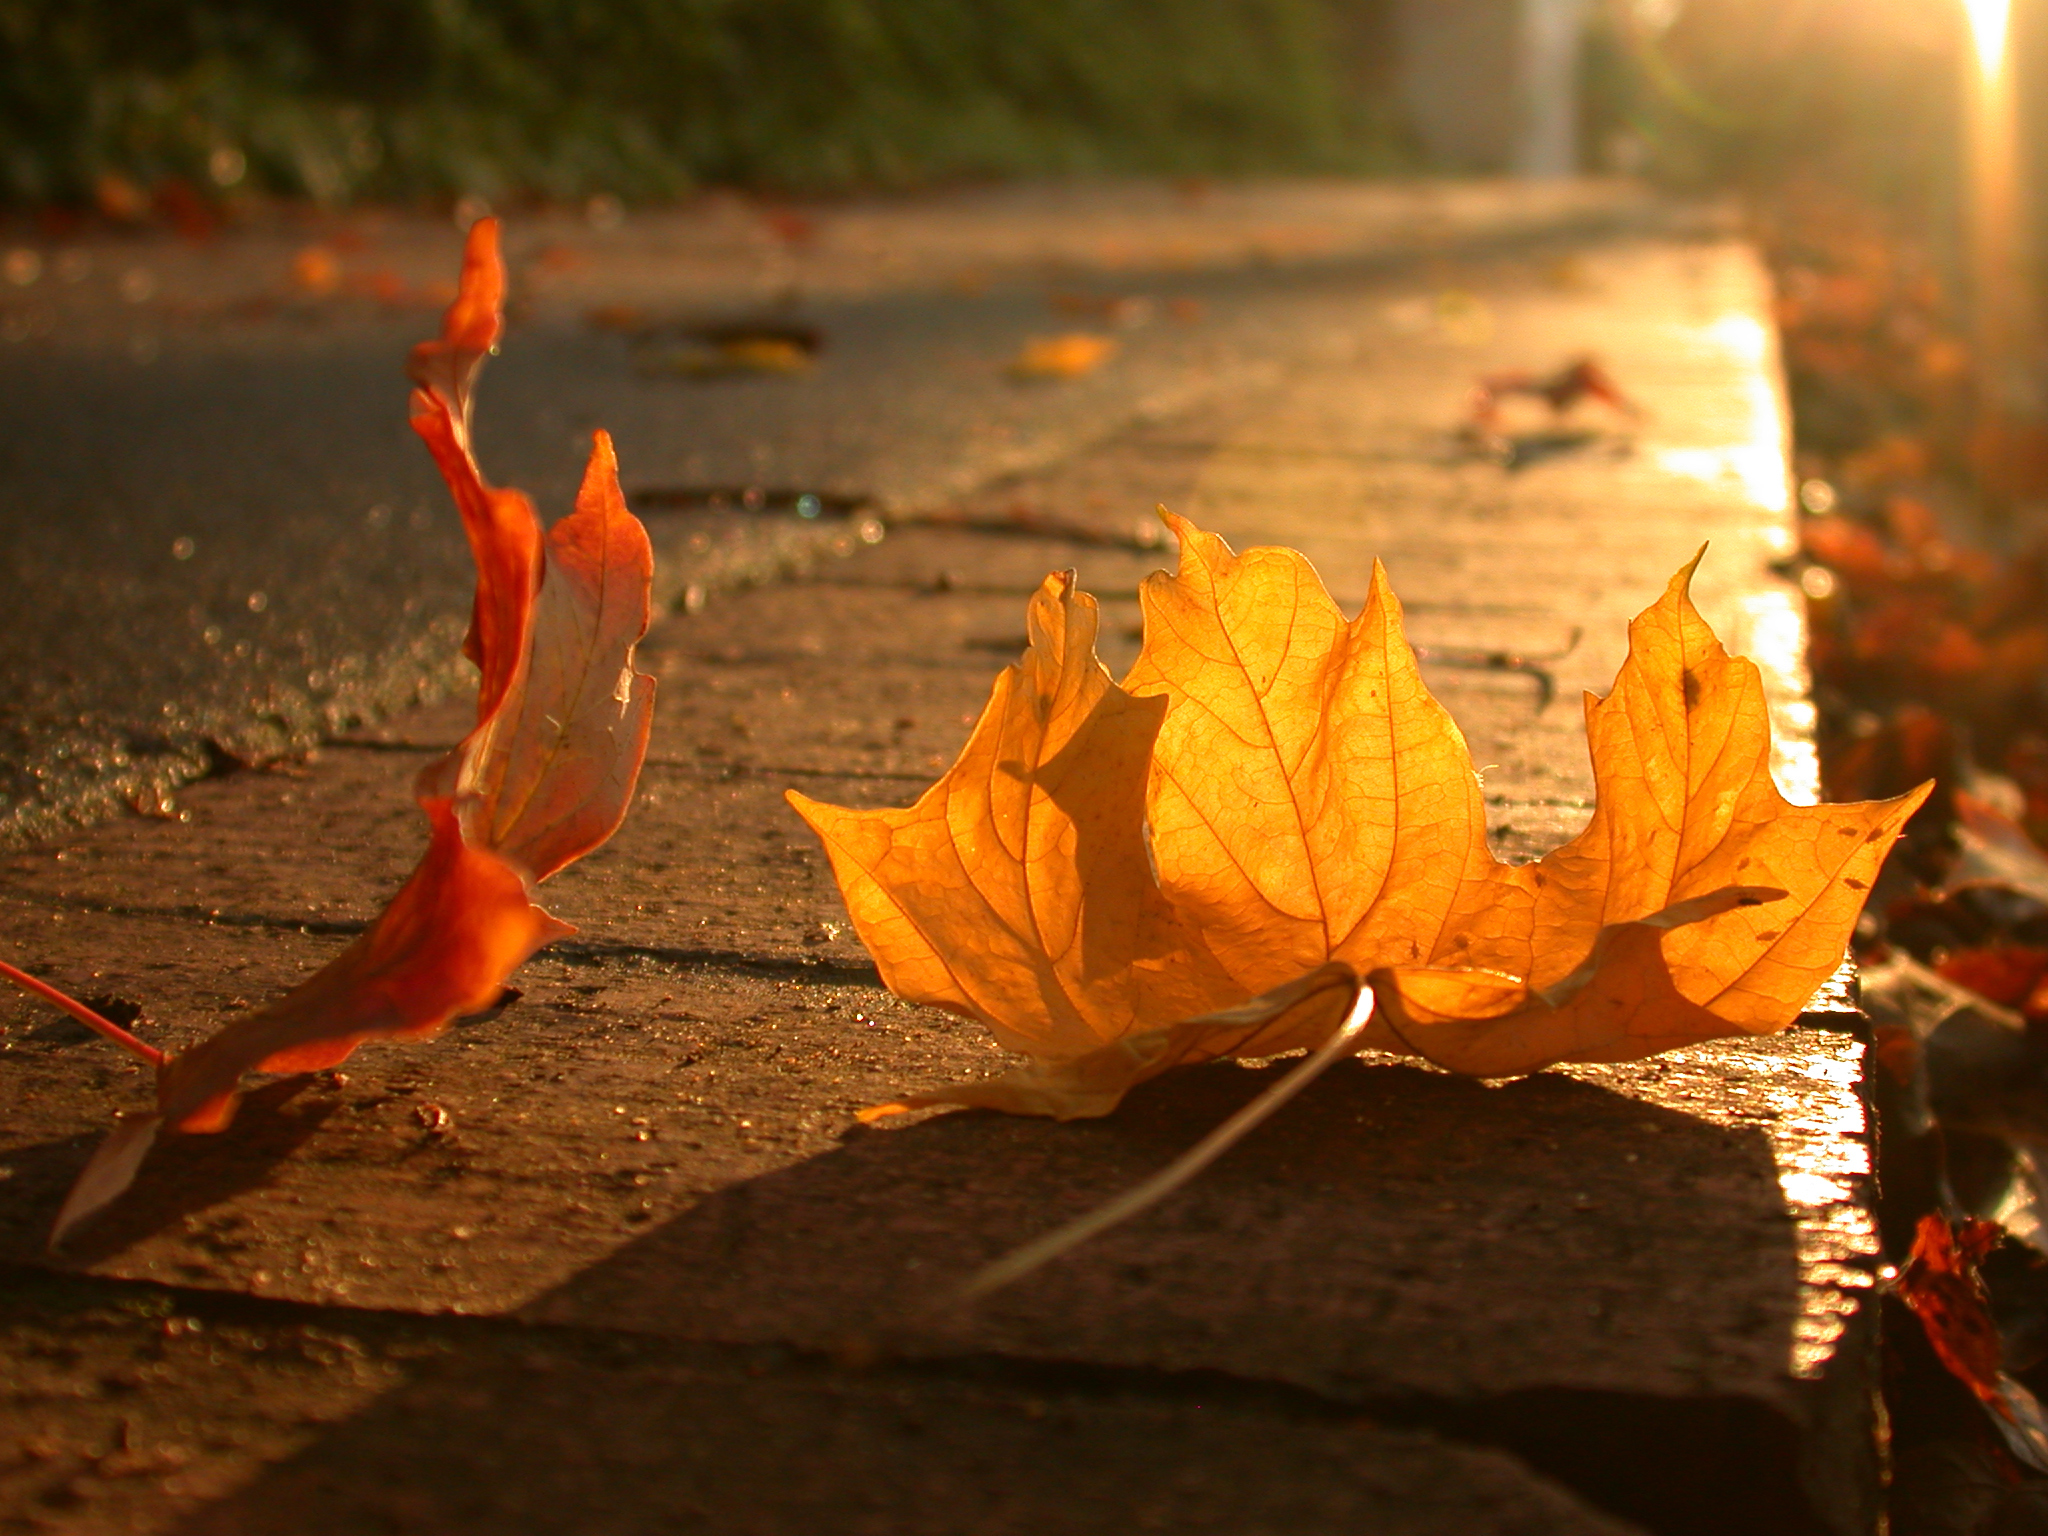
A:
(1681, 582)
(816, 814)
(1050, 619)
(477, 311)
(600, 494)
(1381, 596)
(1198, 546)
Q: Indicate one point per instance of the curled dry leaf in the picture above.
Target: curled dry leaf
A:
(545, 776)
(1582, 378)
(1273, 790)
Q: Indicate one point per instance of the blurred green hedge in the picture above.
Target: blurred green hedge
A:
(647, 98)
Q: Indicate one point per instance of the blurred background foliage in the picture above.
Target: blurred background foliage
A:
(1839, 99)
(1754, 93)
(645, 99)
(649, 99)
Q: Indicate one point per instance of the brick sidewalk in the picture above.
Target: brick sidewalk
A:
(1413, 1303)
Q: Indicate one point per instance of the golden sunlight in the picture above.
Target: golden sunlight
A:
(1987, 26)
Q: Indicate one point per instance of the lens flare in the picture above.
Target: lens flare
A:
(1987, 26)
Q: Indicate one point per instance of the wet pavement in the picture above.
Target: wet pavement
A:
(621, 1258)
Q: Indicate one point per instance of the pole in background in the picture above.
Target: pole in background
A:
(1492, 85)
(1552, 37)
(2010, 446)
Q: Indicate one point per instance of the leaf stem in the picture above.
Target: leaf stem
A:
(83, 1014)
(1020, 1262)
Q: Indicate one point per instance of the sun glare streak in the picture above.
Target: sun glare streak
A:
(1987, 26)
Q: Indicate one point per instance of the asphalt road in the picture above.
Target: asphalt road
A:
(222, 541)
(225, 551)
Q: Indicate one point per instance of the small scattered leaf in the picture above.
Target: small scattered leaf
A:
(764, 354)
(722, 348)
(1583, 378)
(740, 355)
(1066, 356)
(316, 269)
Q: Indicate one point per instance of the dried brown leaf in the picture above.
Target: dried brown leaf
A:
(1942, 1285)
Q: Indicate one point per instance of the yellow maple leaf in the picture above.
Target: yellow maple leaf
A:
(1017, 891)
(1116, 880)
(1310, 800)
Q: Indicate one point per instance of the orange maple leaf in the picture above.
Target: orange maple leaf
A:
(545, 776)
(1272, 798)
